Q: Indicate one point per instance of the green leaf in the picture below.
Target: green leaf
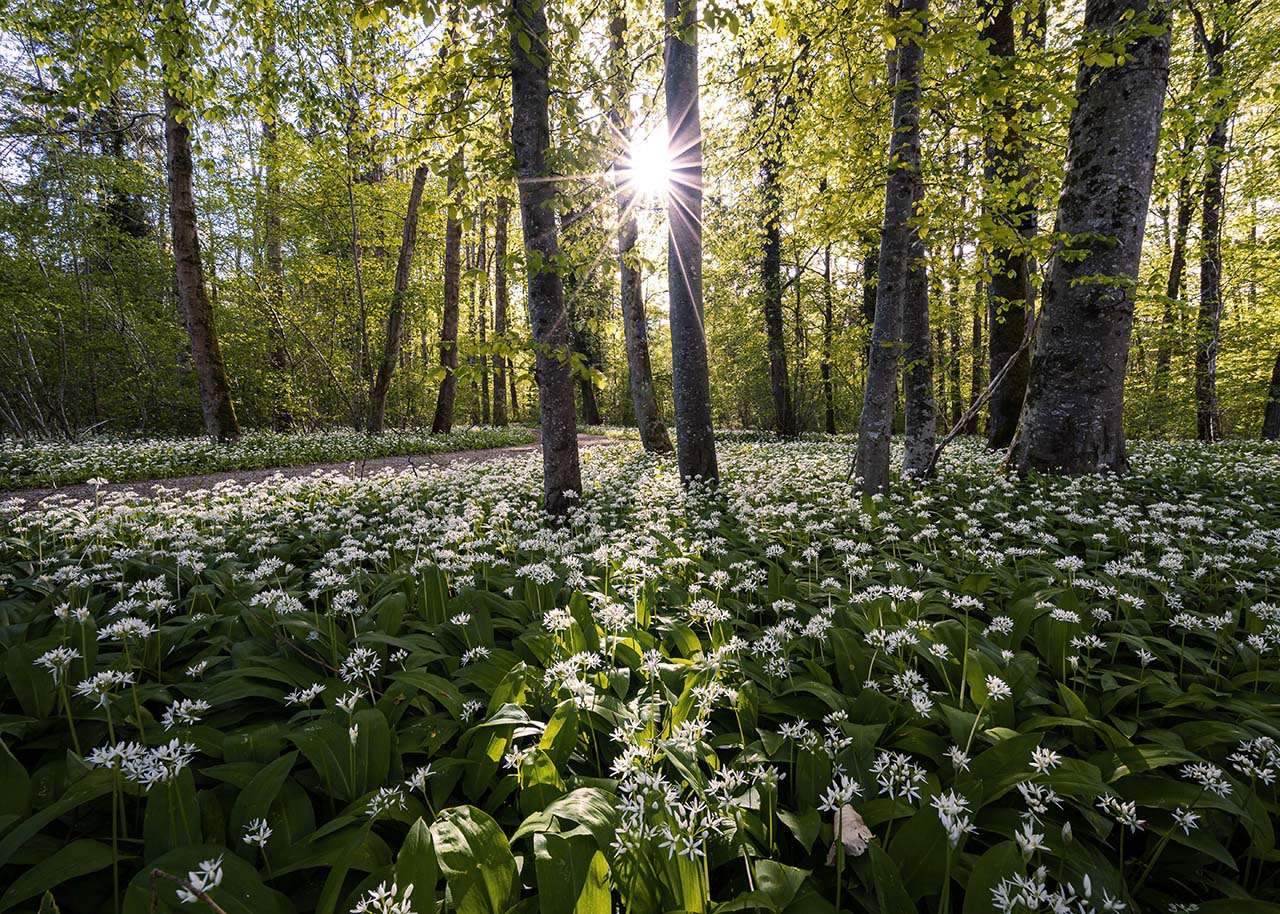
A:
(476, 861)
(416, 865)
(79, 858)
(573, 877)
(1000, 862)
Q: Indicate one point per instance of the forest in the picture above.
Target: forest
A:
(468, 457)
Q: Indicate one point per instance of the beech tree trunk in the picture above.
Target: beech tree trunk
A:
(482, 267)
(530, 137)
(1072, 420)
(828, 335)
(442, 422)
(500, 304)
(216, 408)
(917, 371)
(977, 378)
(1173, 288)
(894, 271)
(1008, 293)
(635, 328)
(771, 279)
(1271, 414)
(576, 233)
(277, 354)
(1209, 318)
(395, 311)
(695, 440)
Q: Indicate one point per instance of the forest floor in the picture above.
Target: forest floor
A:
(410, 463)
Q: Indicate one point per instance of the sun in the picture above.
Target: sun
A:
(650, 172)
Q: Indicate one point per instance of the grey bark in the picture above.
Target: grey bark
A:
(216, 407)
(1209, 316)
(635, 329)
(500, 304)
(530, 137)
(1072, 419)
(894, 270)
(1008, 292)
(695, 440)
(1173, 288)
(395, 312)
(442, 422)
(1271, 413)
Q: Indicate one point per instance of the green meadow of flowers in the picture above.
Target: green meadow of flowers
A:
(397, 694)
(120, 459)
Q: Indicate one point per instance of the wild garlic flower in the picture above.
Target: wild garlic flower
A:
(206, 877)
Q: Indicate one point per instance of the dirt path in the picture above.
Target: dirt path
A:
(355, 468)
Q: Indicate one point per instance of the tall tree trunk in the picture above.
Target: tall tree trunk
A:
(635, 329)
(1209, 318)
(917, 371)
(953, 330)
(695, 440)
(395, 312)
(828, 333)
(1271, 414)
(897, 251)
(977, 377)
(500, 303)
(1008, 198)
(771, 278)
(576, 233)
(530, 137)
(1073, 417)
(442, 422)
(277, 354)
(216, 407)
(482, 268)
(1173, 288)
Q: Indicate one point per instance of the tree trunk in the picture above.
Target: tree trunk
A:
(828, 333)
(917, 372)
(442, 422)
(695, 440)
(1209, 319)
(1072, 420)
(953, 330)
(482, 268)
(530, 137)
(277, 354)
(1008, 199)
(894, 271)
(500, 303)
(1173, 288)
(576, 234)
(395, 312)
(635, 329)
(977, 378)
(771, 279)
(1271, 416)
(216, 408)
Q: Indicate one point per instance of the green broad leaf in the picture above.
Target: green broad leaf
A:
(919, 849)
(173, 817)
(79, 858)
(540, 782)
(889, 889)
(804, 825)
(998, 863)
(476, 861)
(256, 799)
(241, 891)
(416, 865)
(15, 798)
(93, 785)
(778, 884)
(573, 877)
(561, 735)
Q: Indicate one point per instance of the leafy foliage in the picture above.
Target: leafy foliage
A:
(394, 693)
